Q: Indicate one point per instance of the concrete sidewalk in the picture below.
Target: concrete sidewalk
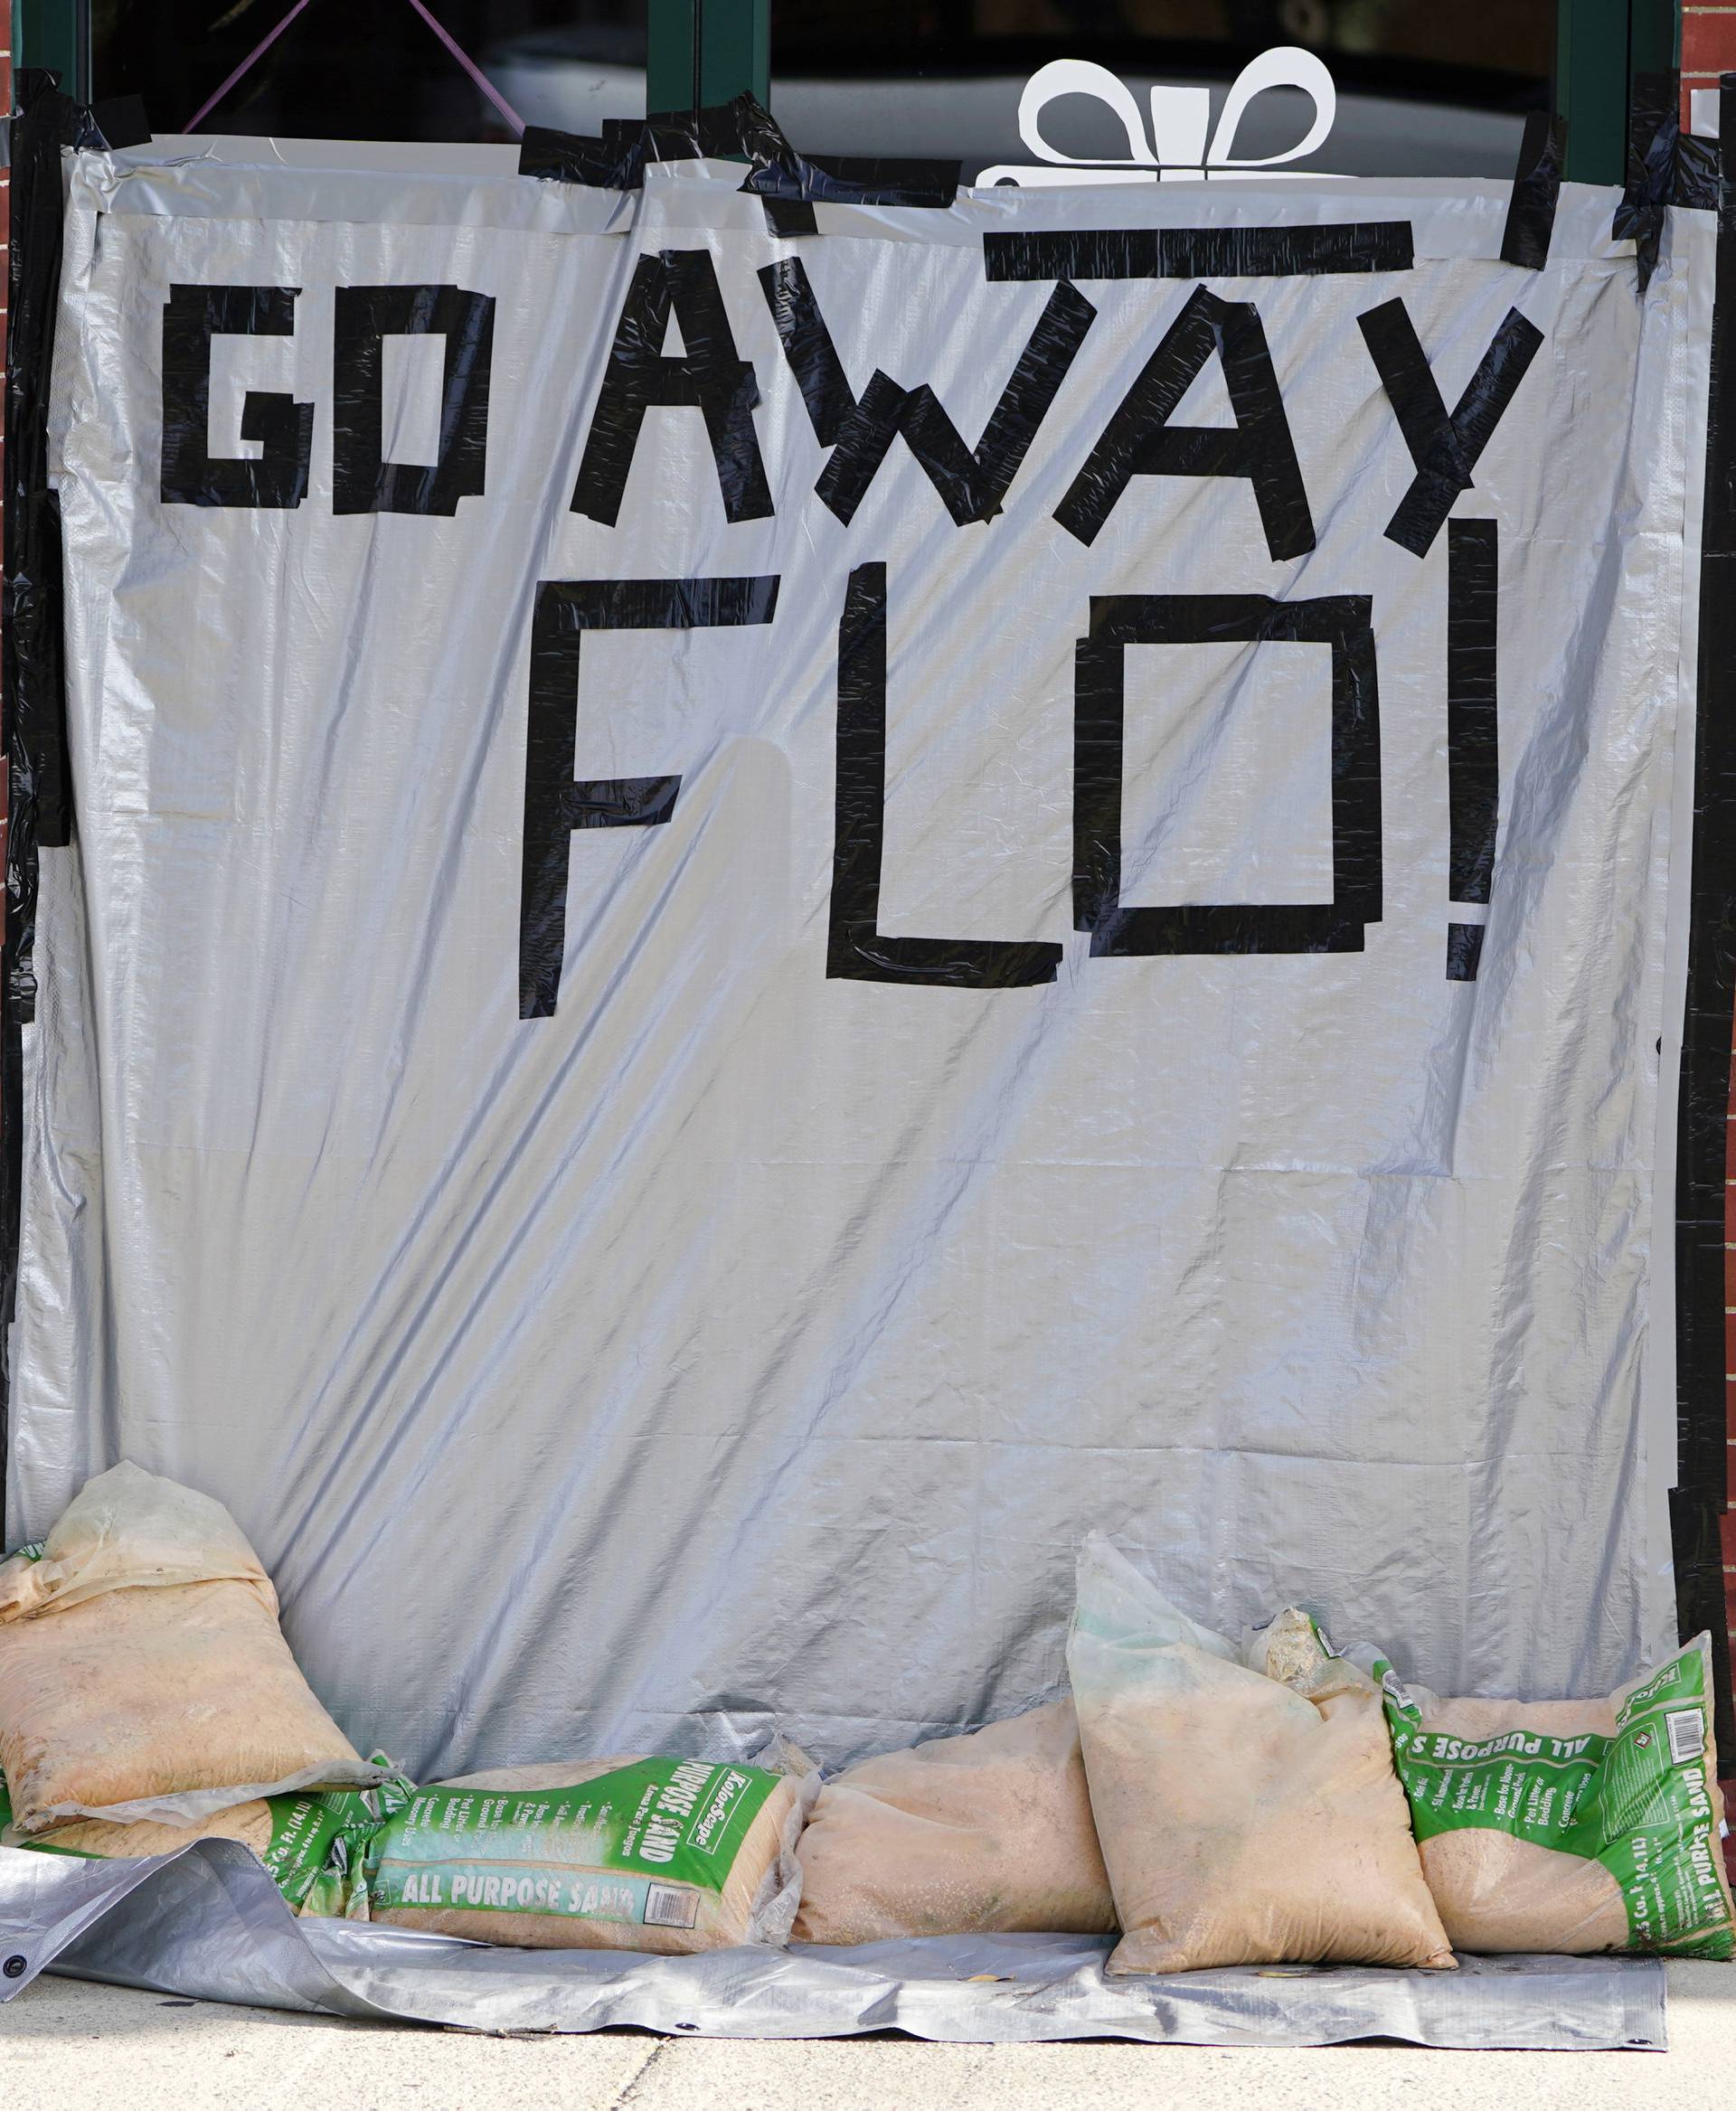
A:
(65, 2046)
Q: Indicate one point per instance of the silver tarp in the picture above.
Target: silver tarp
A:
(208, 1922)
(683, 1185)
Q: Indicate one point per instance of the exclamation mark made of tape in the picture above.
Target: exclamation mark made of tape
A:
(1473, 743)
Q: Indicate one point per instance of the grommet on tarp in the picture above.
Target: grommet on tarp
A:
(1653, 127)
(1536, 185)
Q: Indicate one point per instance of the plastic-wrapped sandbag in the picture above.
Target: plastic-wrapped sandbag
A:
(988, 1833)
(662, 1854)
(143, 1674)
(293, 1835)
(1244, 1820)
(1572, 1825)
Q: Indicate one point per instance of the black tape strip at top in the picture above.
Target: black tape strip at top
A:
(1536, 185)
(1202, 252)
(121, 121)
(744, 128)
(852, 180)
(617, 160)
(573, 157)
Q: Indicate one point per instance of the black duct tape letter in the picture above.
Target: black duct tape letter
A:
(1139, 441)
(1536, 185)
(362, 480)
(808, 350)
(1698, 1502)
(1202, 252)
(972, 482)
(191, 475)
(710, 377)
(1340, 621)
(857, 949)
(556, 803)
(1444, 448)
(1473, 733)
(1473, 730)
(1464, 951)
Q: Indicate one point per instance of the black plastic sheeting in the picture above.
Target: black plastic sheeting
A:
(32, 677)
(1654, 129)
(1700, 1498)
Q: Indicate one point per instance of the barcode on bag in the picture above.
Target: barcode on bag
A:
(665, 1907)
(1687, 1729)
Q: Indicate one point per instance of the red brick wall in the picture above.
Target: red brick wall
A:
(1708, 45)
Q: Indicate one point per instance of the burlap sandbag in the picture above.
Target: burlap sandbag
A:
(1571, 1826)
(517, 1867)
(989, 1834)
(143, 1674)
(1241, 1820)
(249, 1823)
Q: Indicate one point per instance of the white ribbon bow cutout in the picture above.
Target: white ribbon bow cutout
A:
(1177, 152)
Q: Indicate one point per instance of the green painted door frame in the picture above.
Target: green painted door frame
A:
(57, 33)
(1599, 46)
(702, 52)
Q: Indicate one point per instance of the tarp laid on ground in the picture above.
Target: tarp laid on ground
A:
(754, 920)
(209, 1923)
